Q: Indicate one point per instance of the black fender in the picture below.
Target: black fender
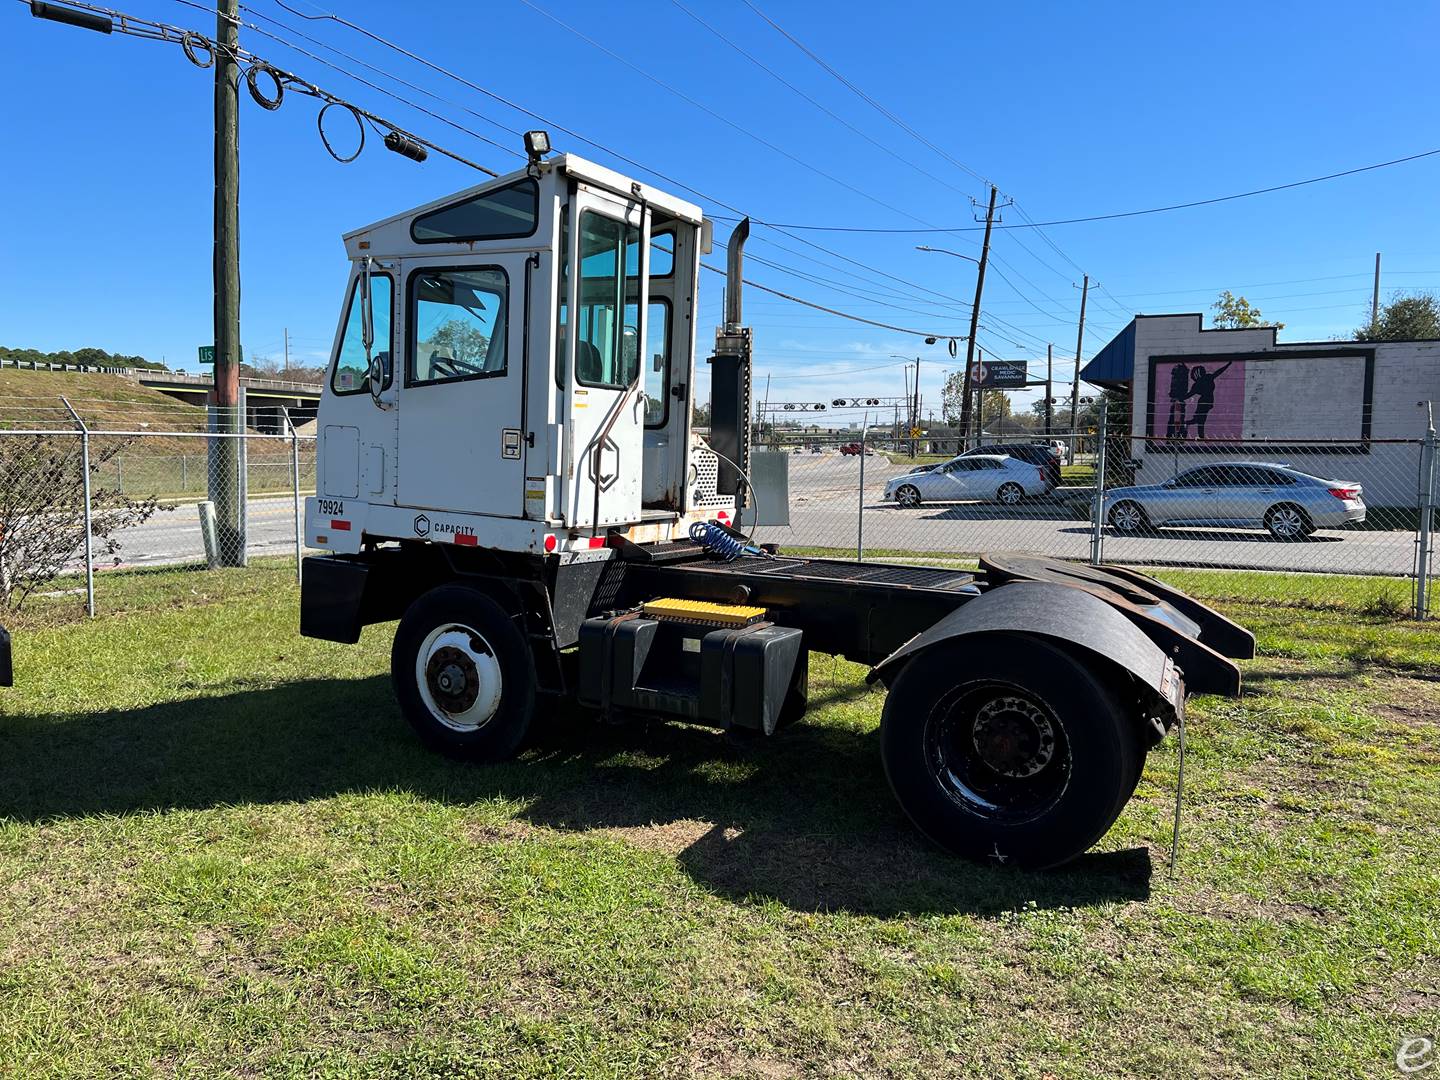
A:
(1080, 621)
(7, 675)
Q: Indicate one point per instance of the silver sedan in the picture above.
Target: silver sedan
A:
(1287, 503)
(1005, 480)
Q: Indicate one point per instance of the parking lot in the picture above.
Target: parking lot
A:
(825, 510)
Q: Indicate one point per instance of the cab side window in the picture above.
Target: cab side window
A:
(349, 374)
(458, 320)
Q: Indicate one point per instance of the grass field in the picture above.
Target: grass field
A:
(221, 853)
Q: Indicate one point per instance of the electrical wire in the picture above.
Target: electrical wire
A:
(1118, 214)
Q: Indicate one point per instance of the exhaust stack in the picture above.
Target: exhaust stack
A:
(730, 376)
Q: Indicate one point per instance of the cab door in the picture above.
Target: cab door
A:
(605, 326)
(461, 404)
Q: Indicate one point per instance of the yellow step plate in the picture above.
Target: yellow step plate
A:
(703, 611)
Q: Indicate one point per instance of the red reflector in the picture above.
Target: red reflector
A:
(340, 526)
(1343, 493)
(597, 541)
(550, 542)
(468, 539)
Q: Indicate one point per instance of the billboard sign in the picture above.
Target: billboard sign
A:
(999, 375)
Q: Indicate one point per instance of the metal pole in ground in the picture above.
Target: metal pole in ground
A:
(85, 478)
(295, 482)
(1097, 502)
(1426, 503)
(860, 523)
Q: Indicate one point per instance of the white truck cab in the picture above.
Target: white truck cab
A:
(527, 384)
(507, 467)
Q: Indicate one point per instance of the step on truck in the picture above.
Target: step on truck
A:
(508, 465)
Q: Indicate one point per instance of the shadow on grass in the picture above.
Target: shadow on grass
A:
(806, 818)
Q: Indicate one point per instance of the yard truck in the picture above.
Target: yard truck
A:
(508, 465)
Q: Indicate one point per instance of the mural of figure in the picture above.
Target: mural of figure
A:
(1202, 386)
(1179, 391)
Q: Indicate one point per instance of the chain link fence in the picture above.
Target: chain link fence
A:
(78, 502)
(1317, 506)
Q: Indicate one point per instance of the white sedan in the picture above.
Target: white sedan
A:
(988, 477)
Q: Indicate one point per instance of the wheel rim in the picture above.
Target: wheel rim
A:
(1286, 521)
(997, 752)
(458, 677)
(1010, 494)
(907, 496)
(1126, 517)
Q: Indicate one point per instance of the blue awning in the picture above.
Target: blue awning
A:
(1114, 365)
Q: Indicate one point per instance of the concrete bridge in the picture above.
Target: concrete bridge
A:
(265, 399)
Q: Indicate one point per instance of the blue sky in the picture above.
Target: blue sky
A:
(1070, 109)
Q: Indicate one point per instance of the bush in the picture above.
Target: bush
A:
(42, 511)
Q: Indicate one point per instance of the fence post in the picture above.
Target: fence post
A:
(1097, 502)
(85, 478)
(295, 487)
(120, 473)
(184, 474)
(1426, 502)
(860, 520)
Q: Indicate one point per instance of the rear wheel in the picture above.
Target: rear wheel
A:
(1288, 522)
(1010, 493)
(908, 496)
(1129, 517)
(463, 675)
(1007, 749)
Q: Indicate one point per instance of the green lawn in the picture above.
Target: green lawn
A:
(221, 853)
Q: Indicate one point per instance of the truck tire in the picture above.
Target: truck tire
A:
(463, 675)
(1006, 749)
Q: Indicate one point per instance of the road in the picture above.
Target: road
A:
(824, 507)
(173, 535)
(824, 504)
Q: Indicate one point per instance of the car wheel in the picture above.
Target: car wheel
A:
(1129, 517)
(1288, 522)
(1010, 493)
(908, 496)
(463, 675)
(1009, 750)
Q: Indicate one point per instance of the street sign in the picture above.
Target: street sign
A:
(999, 374)
(915, 433)
(207, 354)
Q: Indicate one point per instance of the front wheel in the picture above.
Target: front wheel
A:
(907, 496)
(1007, 749)
(463, 675)
(1010, 494)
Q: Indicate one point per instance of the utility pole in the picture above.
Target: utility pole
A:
(975, 321)
(916, 424)
(979, 403)
(225, 478)
(1375, 298)
(1079, 345)
(1049, 390)
(287, 357)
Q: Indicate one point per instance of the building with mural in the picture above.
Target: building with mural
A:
(1338, 409)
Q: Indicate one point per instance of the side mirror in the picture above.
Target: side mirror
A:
(374, 367)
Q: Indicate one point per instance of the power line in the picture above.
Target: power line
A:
(1118, 214)
(818, 105)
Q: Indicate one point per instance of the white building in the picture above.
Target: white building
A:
(1339, 409)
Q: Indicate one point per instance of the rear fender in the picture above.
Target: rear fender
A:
(1082, 624)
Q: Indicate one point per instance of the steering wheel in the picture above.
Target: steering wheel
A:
(451, 368)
